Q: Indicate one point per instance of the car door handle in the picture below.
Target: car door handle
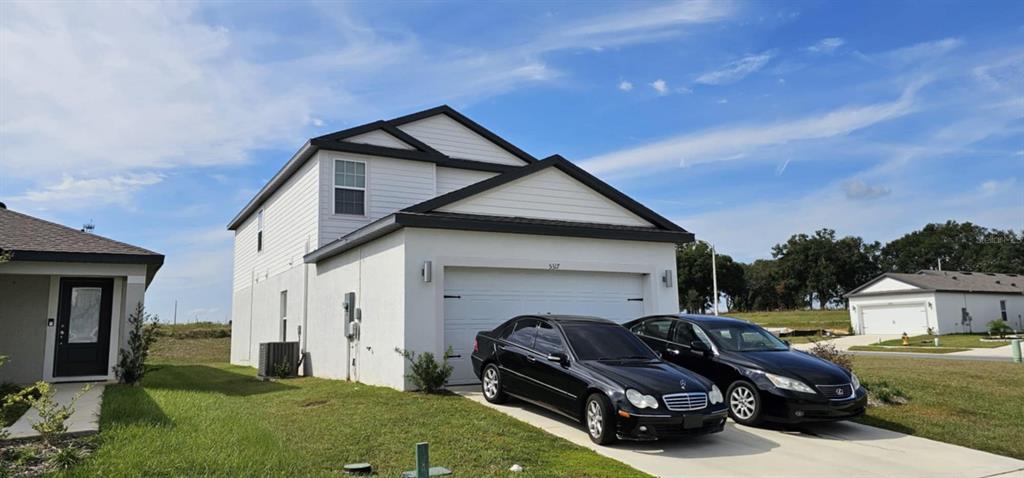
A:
(672, 351)
(531, 359)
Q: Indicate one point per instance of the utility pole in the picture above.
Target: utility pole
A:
(714, 277)
(175, 311)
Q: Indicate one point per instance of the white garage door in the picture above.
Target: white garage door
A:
(481, 299)
(895, 319)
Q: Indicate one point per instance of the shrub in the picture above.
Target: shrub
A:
(283, 369)
(131, 363)
(828, 351)
(66, 457)
(882, 393)
(999, 328)
(427, 374)
(52, 416)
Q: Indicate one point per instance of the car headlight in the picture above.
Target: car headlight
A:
(855, 380)
(787, 383)
(640, 400)
(716, 395)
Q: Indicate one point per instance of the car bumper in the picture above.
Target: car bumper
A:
(789, 409)
(653, 426)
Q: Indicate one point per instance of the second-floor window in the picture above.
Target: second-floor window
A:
(259, 231)
(349, 187)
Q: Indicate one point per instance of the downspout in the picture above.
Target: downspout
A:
(305, 311)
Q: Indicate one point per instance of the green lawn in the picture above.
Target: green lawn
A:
(953, 340)
(908, 349)
(214, 419)
(974, 404)
(799, 319)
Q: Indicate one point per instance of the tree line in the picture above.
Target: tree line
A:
(816, 270)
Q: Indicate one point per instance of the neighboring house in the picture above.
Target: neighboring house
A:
(946, 302)
(65, 296)
(433, 228)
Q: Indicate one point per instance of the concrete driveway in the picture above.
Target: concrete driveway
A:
(842, 450)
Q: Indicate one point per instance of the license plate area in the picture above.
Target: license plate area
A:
(693, 421)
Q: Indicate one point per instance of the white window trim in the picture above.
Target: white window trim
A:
(334, 187)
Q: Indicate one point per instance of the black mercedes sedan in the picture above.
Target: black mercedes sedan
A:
(596, 372)
(764, 379)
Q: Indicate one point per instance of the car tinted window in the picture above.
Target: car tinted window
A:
(548, 340)
(524, 333)
(657, 328)
(684, 333)
(606, 341)
(739, 337)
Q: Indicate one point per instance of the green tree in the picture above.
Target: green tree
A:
(696, 291)
(960, 246)
(766, 288)
(823, 268)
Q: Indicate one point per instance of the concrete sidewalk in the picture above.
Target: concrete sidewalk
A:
(844, 343)
(999, 354)
(840, 450)
(84, 421)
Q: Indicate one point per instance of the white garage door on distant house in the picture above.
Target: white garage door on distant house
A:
(895, 319)
(478, 299)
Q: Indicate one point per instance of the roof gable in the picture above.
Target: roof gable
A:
(382, 138)
(457, 141)
(886, 284)
(553, 189)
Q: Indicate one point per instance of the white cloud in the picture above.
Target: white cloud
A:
(782, 167)
(736, 70)
(719, 144)
(826, 45)
(858, 189)
(633, 23)
(919, 52)
(72, 193)
(625, 85)
(996, 186)
(660, 86)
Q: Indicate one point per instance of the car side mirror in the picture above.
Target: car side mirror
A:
(700, 346)
(558, 357)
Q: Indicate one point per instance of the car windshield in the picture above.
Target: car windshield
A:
(740, 337)
(606, 342)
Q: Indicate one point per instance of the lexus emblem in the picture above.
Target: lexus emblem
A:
(840, 392)
(682, 384)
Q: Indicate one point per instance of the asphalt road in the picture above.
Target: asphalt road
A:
(841, 450)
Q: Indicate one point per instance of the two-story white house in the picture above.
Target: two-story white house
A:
(417, 232)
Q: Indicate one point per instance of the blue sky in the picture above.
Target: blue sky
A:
(743, 122)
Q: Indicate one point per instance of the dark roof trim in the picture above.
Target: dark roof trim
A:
(565, 166)
(423, 152)
(877, 278)
(91, 257)
(918, 291)
(468, 222)
(464, 121)
(412, 155)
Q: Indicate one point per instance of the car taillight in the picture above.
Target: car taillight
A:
(476, 348)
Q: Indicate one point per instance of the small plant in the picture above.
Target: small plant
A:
(283, 369)
(131, 363)
(882, 393)
(931, 331)
(53, 417)
(3, 405)
(998, 328)
(828, 351)
(427, 374)
(66, 457)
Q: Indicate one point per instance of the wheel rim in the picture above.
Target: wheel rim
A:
(742, 403)
(595, 420)
(490, 382)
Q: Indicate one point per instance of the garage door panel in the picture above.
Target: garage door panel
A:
(482, 298)
(895, 319)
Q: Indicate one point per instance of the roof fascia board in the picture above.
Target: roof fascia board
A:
(563, 165)
(286, 171)
(367, 233)
(89, 257)
(444, 161)
(878, 278)
(465, 121)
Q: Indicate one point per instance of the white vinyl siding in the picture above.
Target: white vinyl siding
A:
(289, 222)
(379, 138)
(549, 194)
(391, 184)
(453, 139)
(450, 179)
(888, 284)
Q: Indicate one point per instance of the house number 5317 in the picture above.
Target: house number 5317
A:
(553, 266)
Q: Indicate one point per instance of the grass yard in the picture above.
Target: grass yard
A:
(169, 349)
(219, 420)
(974, 404)
(972, 341)
(908, 349)
(799, 319)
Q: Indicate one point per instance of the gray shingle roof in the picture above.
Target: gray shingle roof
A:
(953, 281)
(31, 238)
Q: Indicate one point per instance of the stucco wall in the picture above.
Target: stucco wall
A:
(23, 306)
(982, 307)
(256, 313)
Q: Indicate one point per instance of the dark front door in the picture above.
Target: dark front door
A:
(83, 327)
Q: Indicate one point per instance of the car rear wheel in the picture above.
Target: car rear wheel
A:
(599, 420)
(744, 403)
(491, 385)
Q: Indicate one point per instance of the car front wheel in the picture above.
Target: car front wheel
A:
(744, 403)
(491, 385)
(600, 421)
